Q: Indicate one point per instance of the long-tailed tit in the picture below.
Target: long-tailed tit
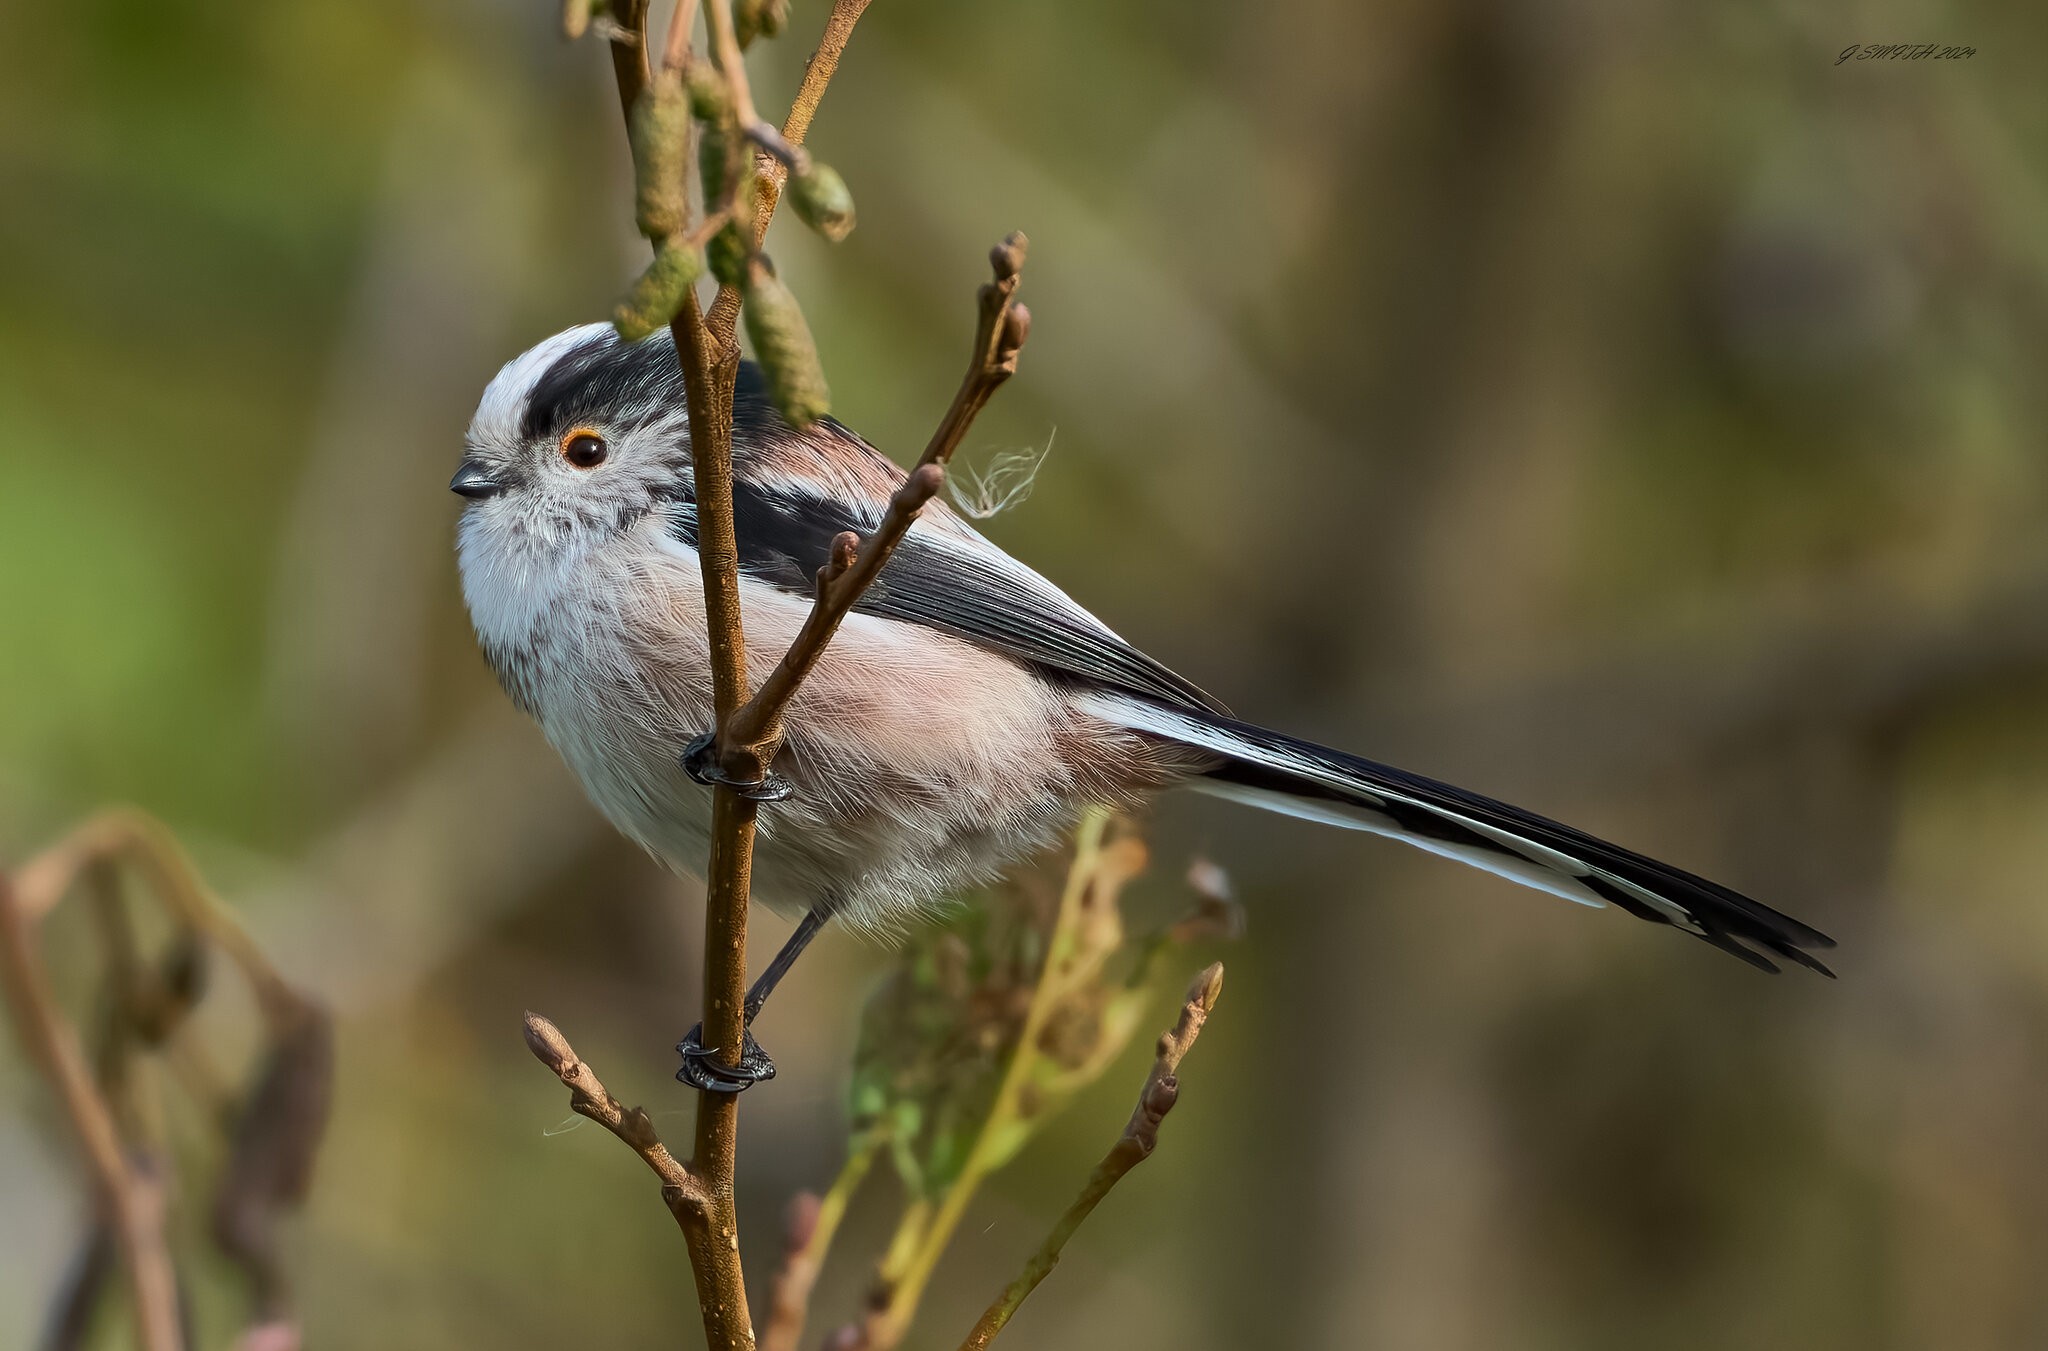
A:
(965, 714)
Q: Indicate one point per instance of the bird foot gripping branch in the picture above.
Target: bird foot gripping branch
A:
(700, 762)
(702, 1069)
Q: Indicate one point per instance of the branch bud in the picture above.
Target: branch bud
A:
(547, 1043)
(783, 346)
(1007, 258)
(845, 550)
(1016, 328)
(659, 131)
(658, 293)
(821, 199)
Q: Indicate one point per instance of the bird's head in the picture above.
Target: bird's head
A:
(574, 441)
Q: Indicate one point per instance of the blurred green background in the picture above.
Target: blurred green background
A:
(1622, 409)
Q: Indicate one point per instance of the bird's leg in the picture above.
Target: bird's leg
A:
(700, 1068)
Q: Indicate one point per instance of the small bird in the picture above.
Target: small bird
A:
(966, 714)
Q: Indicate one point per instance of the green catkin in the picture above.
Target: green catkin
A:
(822, 200)
(654, 298)
(728, 254)
(712, 143)
(659, 130)
(783, 345)
(707, 91)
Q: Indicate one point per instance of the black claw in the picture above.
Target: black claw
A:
(700, 764)
(702, 1070)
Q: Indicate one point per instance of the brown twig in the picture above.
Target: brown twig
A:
(723, 39)
(1140, 1138)
(751, 736)
(134, 837)
(769, 172)
(589, 1097)
(789, 1295)
(132, 1199)
(709, 365)
(818, 72)
(628, 47)
(273, 1139)
(275, 1133)
(812, 1224)
(749, 730)
(701, 1206)
(675, 52)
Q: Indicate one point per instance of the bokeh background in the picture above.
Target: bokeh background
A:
(1623, 409)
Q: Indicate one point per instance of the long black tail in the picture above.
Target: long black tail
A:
(1284, 774)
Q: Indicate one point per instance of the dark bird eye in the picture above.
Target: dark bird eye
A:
(585, 450)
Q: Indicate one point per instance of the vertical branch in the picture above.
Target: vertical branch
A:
(132, 1200)
(629, 50)
(709, 365)
(747, 726)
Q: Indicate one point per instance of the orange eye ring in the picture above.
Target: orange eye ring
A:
(584, 448)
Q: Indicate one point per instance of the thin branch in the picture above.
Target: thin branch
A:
(273, 1140)
(1140, 1138)
(789, 1294)
(811, 1225)
(710, 363)
(748, 730)
(714, 221)
(70, 1319)
(142, 840)
(676, 51)
(700, 1203)
(275, 1133)
(133, 1201)
(628, 46)
(818, 72)
(772, 143)
(769, 172)
(751, 736)
(724, 41)
(589, 1097)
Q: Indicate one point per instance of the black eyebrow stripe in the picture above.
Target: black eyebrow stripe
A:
(601, 379)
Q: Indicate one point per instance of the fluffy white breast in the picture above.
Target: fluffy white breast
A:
(514, 573)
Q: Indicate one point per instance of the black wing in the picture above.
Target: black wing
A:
(954, 581)
(945, 576)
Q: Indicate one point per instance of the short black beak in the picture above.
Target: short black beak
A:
(472, 480)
